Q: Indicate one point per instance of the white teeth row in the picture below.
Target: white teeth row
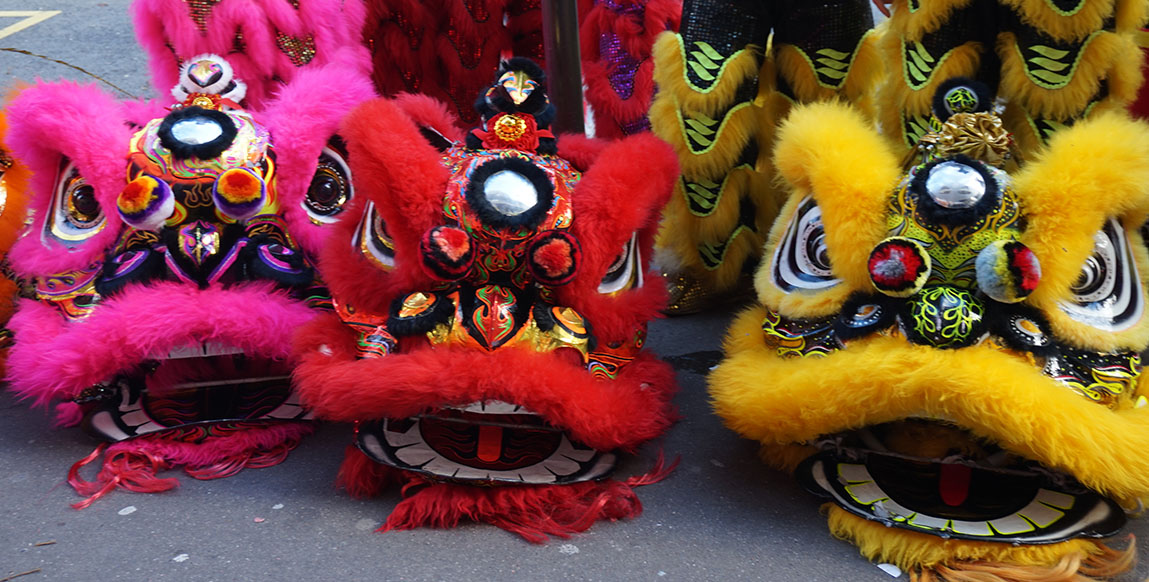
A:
(492, 407)
(202, 350)
(413, 451)
(136, 418)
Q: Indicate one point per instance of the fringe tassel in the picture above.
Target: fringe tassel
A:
(1075, 567)
(135, 463)
(533, 512)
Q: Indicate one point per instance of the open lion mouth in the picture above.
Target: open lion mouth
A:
(973, 491)
(490, 441)
(197, 383)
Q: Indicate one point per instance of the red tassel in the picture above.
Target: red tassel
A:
(135, 463)
(361, 476)
(132, 470)
(534, 512)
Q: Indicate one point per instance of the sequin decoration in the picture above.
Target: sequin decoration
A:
(300, 50)
(73, 293)
(1102, 378)
(200, 11)
(621, 64)
(794, 338)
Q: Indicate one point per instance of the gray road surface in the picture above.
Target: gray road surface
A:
(721, 516)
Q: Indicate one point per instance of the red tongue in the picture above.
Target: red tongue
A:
(490, 443)
(953, 484)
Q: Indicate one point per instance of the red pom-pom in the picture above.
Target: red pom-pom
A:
(899, 266)
(447, 253)
(1025, 266)
(554, 257)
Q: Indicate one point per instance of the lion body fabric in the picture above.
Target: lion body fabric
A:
(954, 372)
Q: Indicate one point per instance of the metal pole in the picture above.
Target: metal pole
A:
(564, 67)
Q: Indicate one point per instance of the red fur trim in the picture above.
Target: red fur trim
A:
(581, 151)
(620, 413)
(362, 477)
(134, 464)
(447, 50)
(611, 202)
(533, 512)
(400, 172)
(611, 111)
(428, 112)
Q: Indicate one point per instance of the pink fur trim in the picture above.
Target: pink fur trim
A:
(303, 116)
(54, 359)
(166, 26)
(49, 122)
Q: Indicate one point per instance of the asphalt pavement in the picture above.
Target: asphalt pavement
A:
(722, 515)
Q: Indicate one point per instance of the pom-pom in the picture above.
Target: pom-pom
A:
(447, 253)
(1007, 271)
(146, 202)
(899, 266)
(239, 193)
(554, 257)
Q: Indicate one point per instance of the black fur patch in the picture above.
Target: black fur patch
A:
(1003, 322)
(942, 109)
(440, 312)
(850, 324)
(298, 273)
(487, 213)
(934, 212)
(149, 269)
(204, 151)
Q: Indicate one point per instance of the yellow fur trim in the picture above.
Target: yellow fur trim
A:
(670, 62)
(1090, 172)
(1100, 57)
(863, 71)
(884, 379)
(829, 151)
(726, 137)
(684, 234)
(911, 551)
(930, 16)
(896, 99)
(1063, 25)
(1131, 15)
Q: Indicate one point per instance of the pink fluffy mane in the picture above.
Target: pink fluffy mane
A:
(265, 41)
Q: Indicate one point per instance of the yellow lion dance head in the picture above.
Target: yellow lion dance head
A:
(949, 351)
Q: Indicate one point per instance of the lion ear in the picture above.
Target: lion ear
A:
(1088, 186)
(838, 167)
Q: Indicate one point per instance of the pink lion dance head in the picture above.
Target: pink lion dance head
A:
(171, 256)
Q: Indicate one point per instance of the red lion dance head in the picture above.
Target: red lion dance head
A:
(491, 307)
(170, 248)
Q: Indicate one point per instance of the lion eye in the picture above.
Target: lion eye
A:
(75, 214)
(802, 260)
(330, 189)
(1107, 294)
(371, 239)
(626, 271)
